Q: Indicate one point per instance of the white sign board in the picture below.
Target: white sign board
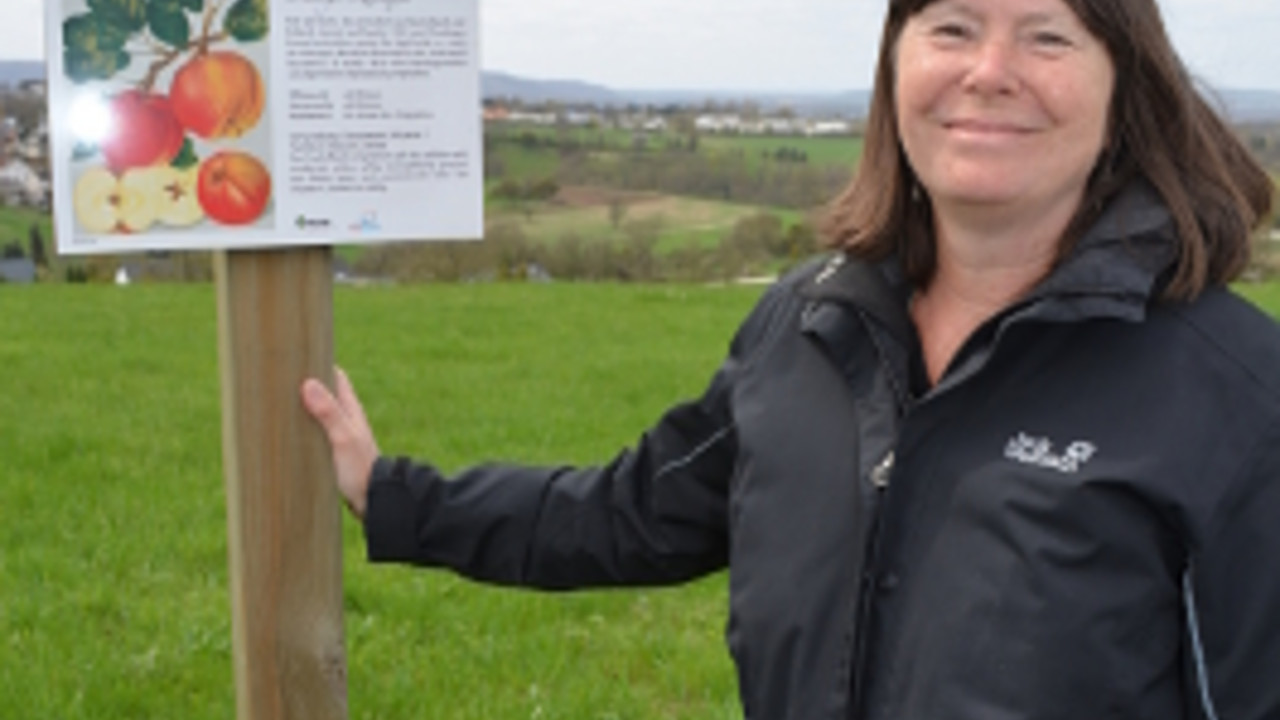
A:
(210, 124)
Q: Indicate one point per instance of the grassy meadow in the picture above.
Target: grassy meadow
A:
(113, 565)
(681, 221)
(15, 226)
(821, 150)
(586, 212)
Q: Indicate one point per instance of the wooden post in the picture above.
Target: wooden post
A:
(275, 327)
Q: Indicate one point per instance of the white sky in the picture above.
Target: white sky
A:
(790, 45)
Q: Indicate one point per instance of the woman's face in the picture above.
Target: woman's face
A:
(1002, 103)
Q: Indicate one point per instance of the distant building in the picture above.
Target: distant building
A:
(532, 118)
(774, 126)
(496, 113)
(718, 123)
(20, 185)
(38, 88)
(655, 124)
(830, 127)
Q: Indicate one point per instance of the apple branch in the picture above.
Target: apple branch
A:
(206, 31)
(169, 56)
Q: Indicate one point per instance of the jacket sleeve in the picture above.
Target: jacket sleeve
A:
(657, 513)
(1233, 596)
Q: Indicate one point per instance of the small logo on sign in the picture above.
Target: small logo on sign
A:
(1039, 451)
(367, 223)
(305, 223)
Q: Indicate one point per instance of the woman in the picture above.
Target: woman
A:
(1013, 453)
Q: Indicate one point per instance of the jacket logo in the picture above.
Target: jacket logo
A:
(1039, 452)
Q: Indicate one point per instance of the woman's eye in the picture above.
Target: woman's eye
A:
(1051, 39)
(951, 31)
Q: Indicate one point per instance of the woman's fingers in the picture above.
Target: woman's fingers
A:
(350, 436)
(349, 402)
(324, 407)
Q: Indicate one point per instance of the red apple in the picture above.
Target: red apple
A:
(218, 94)
(233, 187)
(143, 131)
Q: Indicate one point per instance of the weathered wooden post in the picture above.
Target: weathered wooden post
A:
(275, 327)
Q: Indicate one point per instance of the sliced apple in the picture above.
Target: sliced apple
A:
(180, 201)
(95, 200)
(172, 191)
(139, 199)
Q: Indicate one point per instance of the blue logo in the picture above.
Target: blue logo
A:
(367, 223)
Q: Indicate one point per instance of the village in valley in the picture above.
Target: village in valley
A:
(24, 176)
(24, 145)
(598, 187)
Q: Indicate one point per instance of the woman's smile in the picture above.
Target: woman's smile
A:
(987, 130)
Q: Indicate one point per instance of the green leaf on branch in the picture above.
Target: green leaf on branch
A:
(186, 156)
(129, 14)
(192, 5)
(93, 47)
(82, 67)
(169, 22)
(246, 21)
(91, 33)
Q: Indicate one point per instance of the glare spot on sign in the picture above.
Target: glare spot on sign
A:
(90, 118)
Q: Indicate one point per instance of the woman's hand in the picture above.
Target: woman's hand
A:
(350, 437)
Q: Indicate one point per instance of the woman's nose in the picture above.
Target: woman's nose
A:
(994, 67)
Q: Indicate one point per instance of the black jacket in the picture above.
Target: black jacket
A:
(1080, 521)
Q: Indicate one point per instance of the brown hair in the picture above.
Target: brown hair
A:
(1161, 129)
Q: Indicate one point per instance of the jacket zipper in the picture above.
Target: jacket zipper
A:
(879, 478)
(880, 473)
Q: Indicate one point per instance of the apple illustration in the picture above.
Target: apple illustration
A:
(135, 201)
(174, 193)
(143, 131)
(104, 203)
(218, 94)
(96, 200)
(234, 187)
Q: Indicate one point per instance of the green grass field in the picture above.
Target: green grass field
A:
(839, 151)
(684, 221)
(15, 224)
(113, 563)
(821, 150)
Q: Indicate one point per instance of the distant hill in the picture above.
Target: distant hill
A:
(504, 85)
(13, 72)
(1241, 105)
(1249, 106)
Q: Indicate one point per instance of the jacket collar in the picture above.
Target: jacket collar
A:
(1122, 256)
(1114, 270)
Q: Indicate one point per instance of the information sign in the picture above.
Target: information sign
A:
(225, 124)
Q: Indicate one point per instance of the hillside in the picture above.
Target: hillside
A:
(13, 72)
(1243, 105)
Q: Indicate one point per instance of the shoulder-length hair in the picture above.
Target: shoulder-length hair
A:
(1160, 129)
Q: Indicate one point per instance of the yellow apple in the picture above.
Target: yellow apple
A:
(182, 208)
(94, 200)
(174, 194)
(138, 199)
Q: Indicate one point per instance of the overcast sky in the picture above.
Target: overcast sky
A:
(790, 45)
